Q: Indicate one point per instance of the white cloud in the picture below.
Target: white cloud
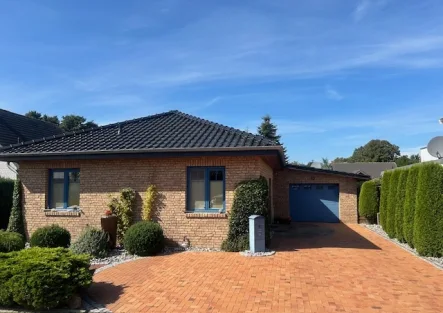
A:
(364, 6)
(332, 93)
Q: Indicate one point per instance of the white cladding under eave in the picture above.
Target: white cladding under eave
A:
(8, 171)
(425, 156)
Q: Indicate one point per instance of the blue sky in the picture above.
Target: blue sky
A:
(333, 74)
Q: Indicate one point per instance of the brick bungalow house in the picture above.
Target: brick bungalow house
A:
(195, 164)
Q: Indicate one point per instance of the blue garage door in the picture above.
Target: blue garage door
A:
(314, 203)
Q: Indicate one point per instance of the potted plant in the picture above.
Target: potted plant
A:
(109, 225)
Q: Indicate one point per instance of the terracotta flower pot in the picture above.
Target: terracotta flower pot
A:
(109, 225)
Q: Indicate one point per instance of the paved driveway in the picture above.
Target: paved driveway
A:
(318, 268)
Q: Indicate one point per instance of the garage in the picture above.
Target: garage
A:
(314, 203)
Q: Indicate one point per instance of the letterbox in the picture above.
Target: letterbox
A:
(256, 233)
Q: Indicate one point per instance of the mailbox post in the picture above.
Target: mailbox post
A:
(256, 233)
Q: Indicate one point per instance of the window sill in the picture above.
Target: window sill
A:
(61, 212)
(205, 215)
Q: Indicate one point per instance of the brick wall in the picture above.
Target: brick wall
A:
(347, 197)
(101, 178)
(267, 172)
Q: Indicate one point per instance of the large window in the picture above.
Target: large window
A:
(206, 189)
(64, 188)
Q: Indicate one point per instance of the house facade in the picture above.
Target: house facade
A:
(195, 165)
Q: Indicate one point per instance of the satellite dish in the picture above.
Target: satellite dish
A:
(435, 147)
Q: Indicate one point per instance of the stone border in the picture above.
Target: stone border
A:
(377, 229)
(249, 254)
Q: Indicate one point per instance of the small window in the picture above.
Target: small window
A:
(64, 188)
(206, 189)
(319, 187)
(307, 187)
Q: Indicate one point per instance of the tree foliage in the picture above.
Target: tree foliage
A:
(16, 217)
(384, 195)
(376, 151)
(392, 203)
(428, 219)
(325, 164)
(68, 123)
(409, 207)
(407, 160)
(269, 130)
(399, 208)
(368, 202)
(149, 202)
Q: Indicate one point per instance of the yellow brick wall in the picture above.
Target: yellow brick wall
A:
(347, 187)
(101, 178)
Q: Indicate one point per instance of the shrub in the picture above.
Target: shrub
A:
(149, 202)
(16, 218)
(42, 278)
(409, 207)
(428, 222)
(384, 195)
(392, 203)
(6, 190)
(144, 238)
(399, 208)
(52, 236)
(368, 202)
(250, 197)
(122, 207)
(10, 241)
(92, 241)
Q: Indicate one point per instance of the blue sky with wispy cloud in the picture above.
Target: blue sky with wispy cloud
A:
(333, 74)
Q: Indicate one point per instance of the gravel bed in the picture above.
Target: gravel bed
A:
(115, 256)
(437, 262)
(169, 250)
(248, 253)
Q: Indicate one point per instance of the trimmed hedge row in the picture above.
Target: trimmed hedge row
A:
(428, 224)
(368, 202)
(411, 207)
(384, 195)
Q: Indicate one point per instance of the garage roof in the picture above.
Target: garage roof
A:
(325, 171)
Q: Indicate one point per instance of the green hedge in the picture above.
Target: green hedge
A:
(10, 241)
(42, 278)
(392, 203)
(16, 217)
(6, 189)
(399, 208)
(384, 195)
(428, 224)
(368, 202)
(250, 197)
(409, 207)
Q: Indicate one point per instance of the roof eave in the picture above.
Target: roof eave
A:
(260, 150)
(326, 171)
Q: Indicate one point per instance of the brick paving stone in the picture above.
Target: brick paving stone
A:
(345, 269)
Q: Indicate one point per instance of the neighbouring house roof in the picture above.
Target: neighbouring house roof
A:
(167, 132)
(373, 169)
(15, 128)
(361, 176)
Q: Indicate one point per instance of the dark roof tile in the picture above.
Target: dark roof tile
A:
(170, 130)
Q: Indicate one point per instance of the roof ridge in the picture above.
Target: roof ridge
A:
(228, 128)
(75, 132)
(31, 118)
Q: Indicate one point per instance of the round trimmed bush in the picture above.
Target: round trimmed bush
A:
(409, 211)
(52, 236)
(92, 241)
(10, 241)
(400, 207)
(368, 202)
(42, 278)
(384, 195)
(144, 238)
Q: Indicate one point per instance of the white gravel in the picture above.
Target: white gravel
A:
(248, 253)
(115, 256)
(437, 262)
